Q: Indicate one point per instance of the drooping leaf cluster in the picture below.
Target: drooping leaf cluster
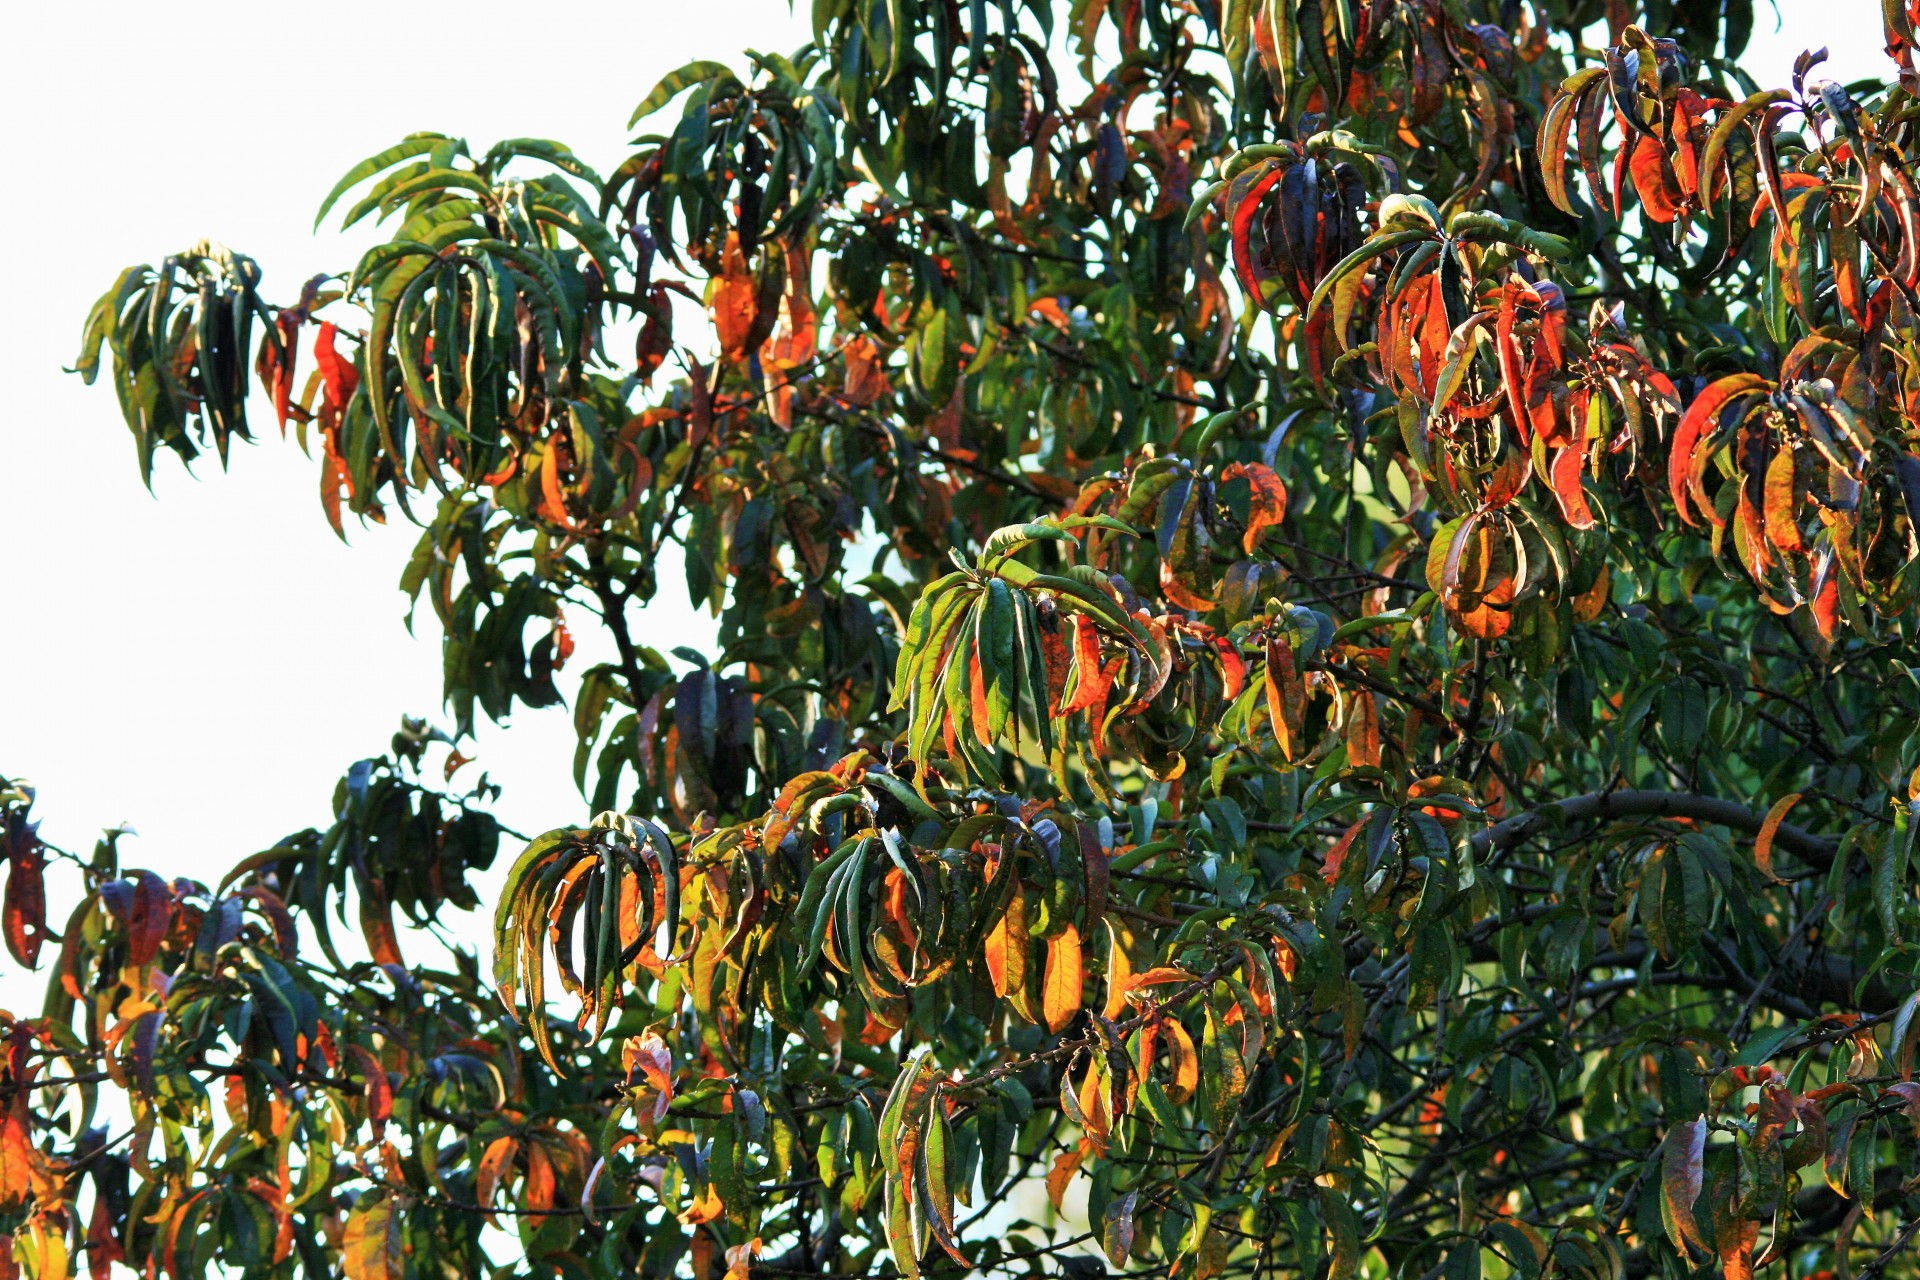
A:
(1316, 671)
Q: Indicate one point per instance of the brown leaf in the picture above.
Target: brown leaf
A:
(1186, 1062)
(26, 899)
(1680, 1180)
(866, 379)
(1363, 730)
(378, 1088)
(1286, 696)
(1090, 680)
(376, 922)
(149, 918)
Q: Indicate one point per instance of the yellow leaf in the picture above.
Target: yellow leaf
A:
(708, 1207)
(1007, 951)
(1119, 972)
(740, 1257)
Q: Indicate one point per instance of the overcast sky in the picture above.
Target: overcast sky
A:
(204, 661)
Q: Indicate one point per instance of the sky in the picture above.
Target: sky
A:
(203, 662)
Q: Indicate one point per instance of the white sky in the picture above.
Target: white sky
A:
(204, 662)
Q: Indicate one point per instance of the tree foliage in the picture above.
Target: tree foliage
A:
(1316, 675)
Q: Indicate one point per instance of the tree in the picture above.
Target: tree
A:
(1376, 735)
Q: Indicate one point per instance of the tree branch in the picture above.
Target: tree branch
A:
(1817, 851)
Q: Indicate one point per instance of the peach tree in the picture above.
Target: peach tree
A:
(1315, 676)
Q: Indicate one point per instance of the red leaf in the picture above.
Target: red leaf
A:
(337, 374)
(1249, 189)
(1565, 474)
(1660, 194)
(1337, 856)
(1702, 414)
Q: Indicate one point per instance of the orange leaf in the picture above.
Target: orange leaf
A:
(16, 1162)
(1158, 976)
(1092, 682)
(1007, 949)
(1053, 649)
(1286, 696)
(495, 1162)
(1267, 505)
(866, 373)
(734, 299)
(1065, 1165)
(1095, 1101)
(1783, 531)
(740, 1257)
(1173, 589)
(708, 1207)
(1060, 997)
(1186, 1063)
(1736, 1250)
(977, 685)
(1763, 843)
(338, 376)
(1233, 668)
(373, 1246)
